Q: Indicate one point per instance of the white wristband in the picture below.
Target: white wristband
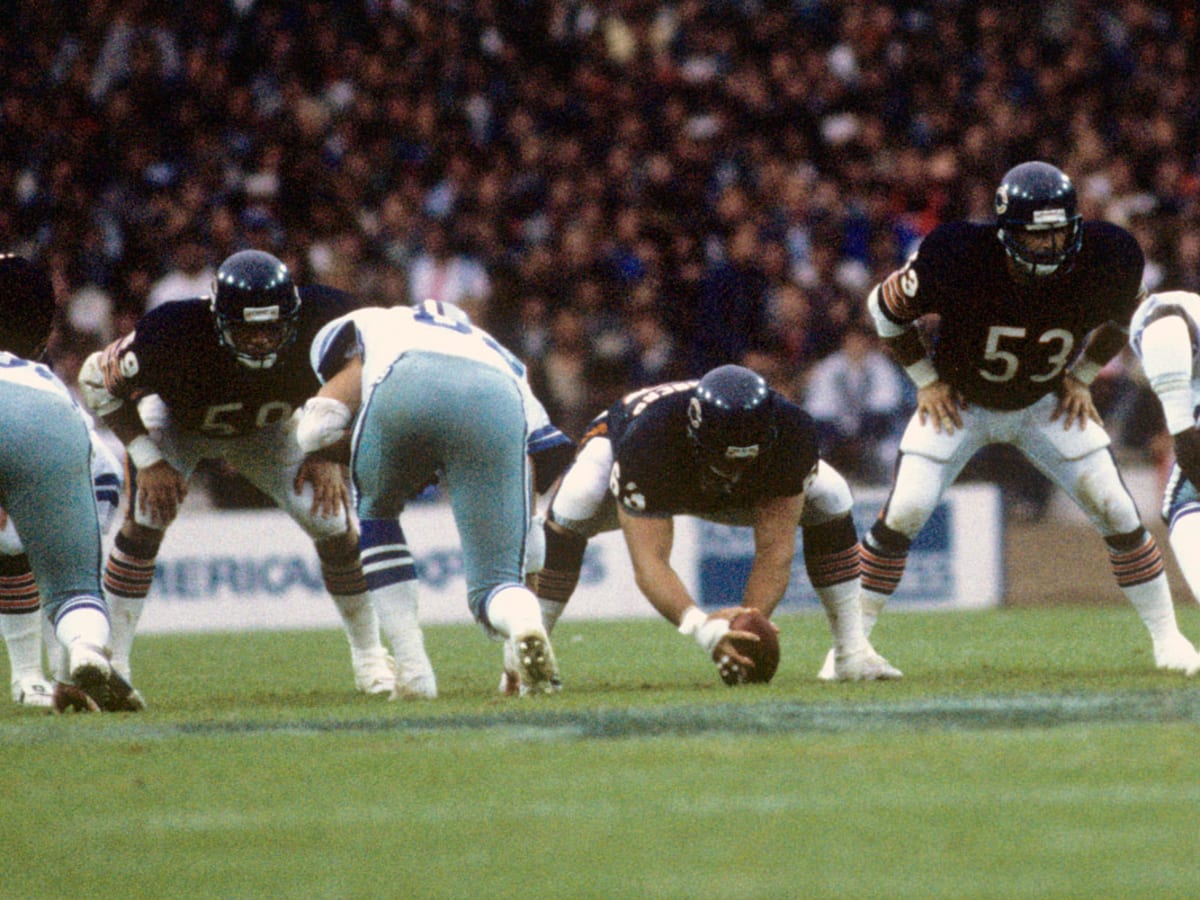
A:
(922, 372)
(1174, 392)
(1085, 370)
(143, 452)
(691, 621)
(706, 632)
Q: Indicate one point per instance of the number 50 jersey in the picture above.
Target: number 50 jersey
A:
(175, 352)
(1005, 342)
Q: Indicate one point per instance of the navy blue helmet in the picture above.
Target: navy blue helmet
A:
(731, 421)
(256, 306)
(1037, 212)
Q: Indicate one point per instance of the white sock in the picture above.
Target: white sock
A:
(551, 610)
(514, 609)
(359, 620)
(85, 624)
(842, 608)
(124, 613)
(1185, 544)
(1152, 600)
(872, 603)
(56, 657)
(23, 637)
(396, 606)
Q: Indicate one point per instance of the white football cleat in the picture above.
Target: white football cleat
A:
(536, 667)
(415, 682)
(33, 691)
(1176, 654)
(374, 671)
(865, 665)
(828, 668)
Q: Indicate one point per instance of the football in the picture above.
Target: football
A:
(764, 652)
(68, 698)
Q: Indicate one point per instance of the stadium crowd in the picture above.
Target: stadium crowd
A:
(624, 192)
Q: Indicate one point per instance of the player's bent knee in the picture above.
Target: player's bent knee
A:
(827, 498)
(1098, 490)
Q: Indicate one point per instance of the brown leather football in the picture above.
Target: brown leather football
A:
(764, 652)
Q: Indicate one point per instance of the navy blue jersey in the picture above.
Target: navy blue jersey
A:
(1005, 342)
(175, 352)
(656, 473)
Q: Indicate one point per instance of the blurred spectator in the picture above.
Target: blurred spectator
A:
(442, 272)
(731, 303)
(759, 163)
(559, 377)
(191, 275)
(859, 399)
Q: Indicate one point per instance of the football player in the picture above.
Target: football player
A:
(1031, 309)
(1165, 335)
(225, 373)
(432, 397)
(727, 449)
(21, 621)
(46, 488)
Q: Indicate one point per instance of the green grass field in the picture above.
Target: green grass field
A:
(1027, 753)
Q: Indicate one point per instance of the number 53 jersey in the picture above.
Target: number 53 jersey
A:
(1004, 342)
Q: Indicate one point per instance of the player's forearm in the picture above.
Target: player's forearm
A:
(890, 308)
(766, 584)
(125, 423)
(1102, 345)
(662, 586)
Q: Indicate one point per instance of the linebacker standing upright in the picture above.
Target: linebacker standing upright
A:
(1017, 301)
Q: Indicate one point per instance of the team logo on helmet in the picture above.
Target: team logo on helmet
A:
(1002, 200)
(694, 415)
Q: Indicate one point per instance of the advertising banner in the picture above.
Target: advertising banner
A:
(257, 569)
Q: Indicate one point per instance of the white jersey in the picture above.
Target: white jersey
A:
(16, 370)
(107, 472)
(1173, 356)
(383, 335)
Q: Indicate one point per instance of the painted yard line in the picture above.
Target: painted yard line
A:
(932, 714)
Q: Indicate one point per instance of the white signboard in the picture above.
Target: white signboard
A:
(257, 569)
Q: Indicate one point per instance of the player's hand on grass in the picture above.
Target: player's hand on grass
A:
(160, 490)
(940, 403)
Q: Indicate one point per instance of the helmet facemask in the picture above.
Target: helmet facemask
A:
(1041, 250)
(256, 307)
(731, 423)
(1038, 220)
(258, 339)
